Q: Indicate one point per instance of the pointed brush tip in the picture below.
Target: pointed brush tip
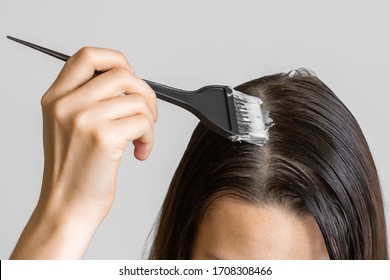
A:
(12, 38)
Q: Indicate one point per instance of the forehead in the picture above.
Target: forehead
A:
(232, 229)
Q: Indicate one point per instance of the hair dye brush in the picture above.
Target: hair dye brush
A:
(232, 114)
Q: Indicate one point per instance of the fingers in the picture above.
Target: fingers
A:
(121, 107)
(114, 105)
(81, 67)
(142, 150)
(114, 83)
(139, 129)
(117, 121)
(130, 119)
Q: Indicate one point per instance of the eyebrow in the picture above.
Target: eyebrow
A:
(212, 256)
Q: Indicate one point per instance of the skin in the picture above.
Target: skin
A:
(88, 120)
(232, 230)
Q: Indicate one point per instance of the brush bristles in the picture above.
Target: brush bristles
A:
(253, 122)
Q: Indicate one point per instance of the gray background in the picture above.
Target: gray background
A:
(184, 44)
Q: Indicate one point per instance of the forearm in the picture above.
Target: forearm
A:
(50, 235)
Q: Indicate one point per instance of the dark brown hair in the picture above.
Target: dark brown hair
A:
(316, 162)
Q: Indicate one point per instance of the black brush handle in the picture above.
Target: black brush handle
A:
(52, 53)
(210, 104)
(172, 95)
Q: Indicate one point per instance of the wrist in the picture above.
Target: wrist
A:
(55, 234)
(72, 195)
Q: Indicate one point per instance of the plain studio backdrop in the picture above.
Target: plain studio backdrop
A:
(185, 44)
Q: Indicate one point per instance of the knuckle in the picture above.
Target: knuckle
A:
(153, 94)
(149, 90)
(59, 109)
(85, 54)
(101, 138)
(131, 68)
(120, 73)
(138, 99)
(147, 122)
(140, 102)
(44, 101)
(122, 56)
(81, 121)
(94, 132)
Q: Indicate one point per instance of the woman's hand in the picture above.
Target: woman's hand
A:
(88, 120)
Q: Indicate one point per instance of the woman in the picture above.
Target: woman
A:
(311, 193)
